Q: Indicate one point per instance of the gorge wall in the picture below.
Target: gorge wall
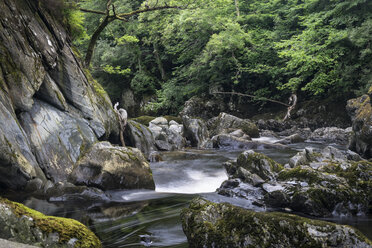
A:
(51, 110)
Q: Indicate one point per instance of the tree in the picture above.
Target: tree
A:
(111, 15)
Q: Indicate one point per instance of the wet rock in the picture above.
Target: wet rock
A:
(226, 123)
(195, 130)
(141, 137)
(328, 182)
(107, 167)
(65, 191)
(331, 135)
(208, 224)
(304, 133)
(21, 224)
(294, 138)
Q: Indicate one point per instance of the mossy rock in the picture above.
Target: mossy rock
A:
(144, 120)
(208, 224)
(24, 225)
(259, 164)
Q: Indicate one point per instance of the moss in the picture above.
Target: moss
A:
(66, 228)
(144, 120)
(60, 97)
(300, 173)
(257, 158)
(206, 223)
(250, 129)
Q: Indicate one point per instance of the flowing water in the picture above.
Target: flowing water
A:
(145, 218)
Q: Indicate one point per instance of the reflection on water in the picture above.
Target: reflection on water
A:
(142, 218)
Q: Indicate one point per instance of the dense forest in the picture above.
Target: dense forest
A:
(268, 49)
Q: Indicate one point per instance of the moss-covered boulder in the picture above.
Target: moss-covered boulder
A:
(22, 224)
(225, 123)
(208, 224)
(111, 167)
(259, 164)
(360, 110)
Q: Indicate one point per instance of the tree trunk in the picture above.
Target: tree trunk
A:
(122, 136)
(237, 7)
(93, 40)
(158, 61)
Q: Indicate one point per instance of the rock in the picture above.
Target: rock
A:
(159, 121)
(208, 224)
(195, 130)
(141, 137)
(18, 164)
(304, 133)
(51, 109)
(199, 107)
(268, 133)
(167, 137)
(258, 164)
(107, 167)
(360, 111)
(9, 244)
(57, 138)
(329, 182)
(22, 224)
(163, 145)
(50, 93)
(331, 135)
(226, 123)
(294, 138)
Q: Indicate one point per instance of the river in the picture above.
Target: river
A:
(145, 218)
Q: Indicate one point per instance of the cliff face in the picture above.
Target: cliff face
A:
(51, 111)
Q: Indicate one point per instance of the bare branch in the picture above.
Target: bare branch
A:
(252, 96)
(92, 11)
(139, 11)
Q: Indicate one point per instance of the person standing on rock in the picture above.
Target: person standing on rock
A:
(123, 117)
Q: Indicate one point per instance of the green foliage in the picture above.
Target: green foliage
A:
(312, 47)
(116, 70)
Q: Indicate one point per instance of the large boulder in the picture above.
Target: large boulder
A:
(108, 167)
(360, 111)
(225, 123)
(57, 138)
(196, 132)
(208, 224)
(259, 164)
(24, 225)
(141, 137)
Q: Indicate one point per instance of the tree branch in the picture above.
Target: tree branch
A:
(139, 11)
(252, 96)
(92, 11)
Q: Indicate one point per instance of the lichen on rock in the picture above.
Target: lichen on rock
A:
(22, 224)
(208, 224)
